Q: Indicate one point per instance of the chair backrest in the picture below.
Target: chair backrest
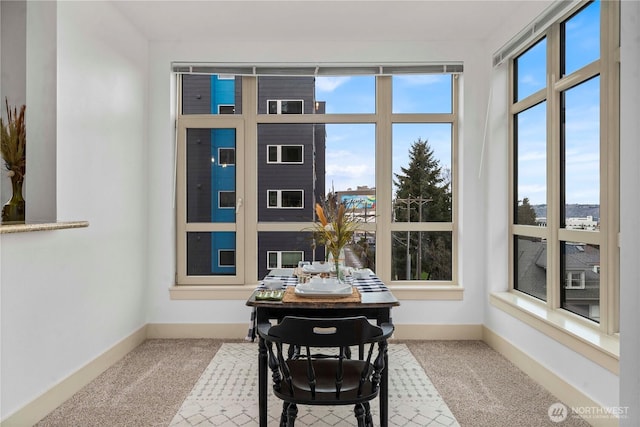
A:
(325, 332)
(302, 376)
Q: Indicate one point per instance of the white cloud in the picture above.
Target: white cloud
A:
(329, 84)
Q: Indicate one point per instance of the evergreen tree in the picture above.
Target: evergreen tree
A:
(526, 213)
(423, 195)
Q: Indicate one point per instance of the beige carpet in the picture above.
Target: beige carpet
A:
(148, 386)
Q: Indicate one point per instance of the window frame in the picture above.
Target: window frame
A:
(279, 258)
(248, 225)
(279, 199)
(279, 160)
(279, 106)
(555, 233)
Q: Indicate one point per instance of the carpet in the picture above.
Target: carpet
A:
(226, 395)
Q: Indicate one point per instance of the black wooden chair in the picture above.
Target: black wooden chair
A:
(316, 369)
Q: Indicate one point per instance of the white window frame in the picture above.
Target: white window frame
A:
(279, 154)
(235, 254)
(220, 106)
(279, 258)
(279, 106)
(570, 279)
(279, 199)
(220, 149)
(219, 198)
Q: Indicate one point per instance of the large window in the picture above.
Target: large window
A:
(565, 150)
(383, 142)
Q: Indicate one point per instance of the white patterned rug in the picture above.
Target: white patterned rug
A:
(226, 395)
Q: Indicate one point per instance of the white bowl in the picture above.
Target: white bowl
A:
(273, 283)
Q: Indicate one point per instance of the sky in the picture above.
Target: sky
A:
(351, 147)
(582, 123)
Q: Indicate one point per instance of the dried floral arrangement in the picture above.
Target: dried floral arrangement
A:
(336, 227)
(14, 142)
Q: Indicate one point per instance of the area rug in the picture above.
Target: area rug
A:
(226, 395)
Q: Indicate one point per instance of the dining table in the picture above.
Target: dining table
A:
(374, 301)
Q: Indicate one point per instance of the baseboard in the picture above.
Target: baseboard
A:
(565, 392)
(37, 409)
(198, 330)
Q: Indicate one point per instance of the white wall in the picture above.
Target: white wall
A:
(70, 295)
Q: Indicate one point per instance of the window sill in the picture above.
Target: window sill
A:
(231, 292)
(565, 328)
(41, 226)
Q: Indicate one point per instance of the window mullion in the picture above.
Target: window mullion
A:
(554, 281)
(250, 176)
(384, 194)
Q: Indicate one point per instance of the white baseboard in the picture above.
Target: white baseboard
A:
(58, 394)
(54, 397)
(564, 391)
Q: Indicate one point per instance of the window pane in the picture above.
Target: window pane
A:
(348, 164)
(291, 259)
(581, 165)
(210, 94)
(580, 292)
(421, 255)
(211, 253)
(227, 199)
(291, 153)
(581, 38)
(530, 258)
(422, 172)
(422, 93)
(207, 176)
(292, 199)
(272, 154)
(530, 71)
(227, 156)
(345, 94)
(530, 149)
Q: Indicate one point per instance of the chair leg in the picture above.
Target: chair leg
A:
(292, 413)
(368, 420)
(359, 410)
(283, 416)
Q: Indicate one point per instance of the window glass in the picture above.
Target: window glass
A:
(530, 256)
(208, 175)
(421, 255)
(581, 165)
(530, 149)
(422, 93)
(581, 38)
(227, 199)
(285, 154)
(211, 253)
(422, 172)
(530, 71)
(581, 272)
(345, 94)
(292, 198)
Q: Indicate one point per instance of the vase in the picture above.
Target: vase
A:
(13, 210)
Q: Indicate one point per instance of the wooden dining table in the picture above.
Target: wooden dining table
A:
(374, 301)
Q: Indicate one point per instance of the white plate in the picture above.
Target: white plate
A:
(328, 288)
(361, 273)
(317, 268)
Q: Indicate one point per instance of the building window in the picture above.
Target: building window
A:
(285, 199)
(227, 199)
(226, 109)
(227, 258)
(411, 239)
(564, 151)
(284, 259)
(282, 106)
(285, 154)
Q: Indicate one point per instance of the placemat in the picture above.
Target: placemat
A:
(290, 296)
